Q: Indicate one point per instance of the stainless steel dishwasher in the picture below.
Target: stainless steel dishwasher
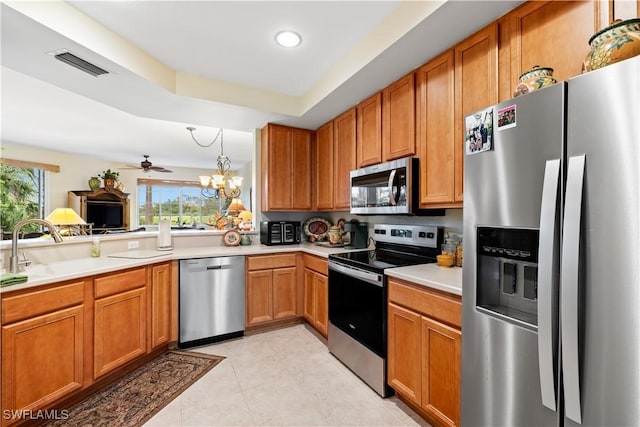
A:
(212, 300)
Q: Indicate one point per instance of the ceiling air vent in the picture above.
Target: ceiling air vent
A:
(80, 64)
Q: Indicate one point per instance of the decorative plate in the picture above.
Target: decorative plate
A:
(316, 228)
(231, 238)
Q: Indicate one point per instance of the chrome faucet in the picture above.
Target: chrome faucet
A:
(14, 239)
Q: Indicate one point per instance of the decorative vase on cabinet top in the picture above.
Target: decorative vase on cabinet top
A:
(534, 79)
(94, 183)
(617, 42)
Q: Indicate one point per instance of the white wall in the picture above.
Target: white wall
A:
(75, 172)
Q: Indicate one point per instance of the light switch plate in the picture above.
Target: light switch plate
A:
(133, 245)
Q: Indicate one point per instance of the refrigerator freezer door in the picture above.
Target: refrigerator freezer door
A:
(603, 123)
(503, 188)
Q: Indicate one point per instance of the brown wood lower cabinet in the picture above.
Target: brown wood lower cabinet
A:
(271, 288)
(58, 340)
(120, 330)
(43, 346)
(424, 350)
(42, 359)
(120, 320)
(160, 305)
(316, 293)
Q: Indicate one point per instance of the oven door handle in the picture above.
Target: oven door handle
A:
(369, 277)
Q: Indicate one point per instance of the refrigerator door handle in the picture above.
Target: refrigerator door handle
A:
(547, 285)
(570, 286)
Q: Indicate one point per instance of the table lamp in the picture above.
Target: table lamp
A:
(66, 219)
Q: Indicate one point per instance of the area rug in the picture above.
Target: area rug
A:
(138, 396)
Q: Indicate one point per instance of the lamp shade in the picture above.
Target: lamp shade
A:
(246, 216)
(64, 216)
(236, 205)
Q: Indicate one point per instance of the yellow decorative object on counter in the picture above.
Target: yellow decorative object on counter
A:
(246, 217)
(446, 260)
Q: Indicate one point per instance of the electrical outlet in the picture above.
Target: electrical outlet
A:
(133, 245)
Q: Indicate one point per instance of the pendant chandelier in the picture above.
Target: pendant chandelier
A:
(222, 184)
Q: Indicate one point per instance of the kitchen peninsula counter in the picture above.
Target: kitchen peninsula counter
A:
(58, 271)
(429, 275)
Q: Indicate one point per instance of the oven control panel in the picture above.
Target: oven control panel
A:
(429, 236)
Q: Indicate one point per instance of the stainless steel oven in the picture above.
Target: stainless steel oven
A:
(357, 322)
(358, 297)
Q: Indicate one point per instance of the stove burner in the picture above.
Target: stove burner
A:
(396, 246)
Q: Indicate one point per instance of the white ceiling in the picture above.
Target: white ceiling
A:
(207, 64)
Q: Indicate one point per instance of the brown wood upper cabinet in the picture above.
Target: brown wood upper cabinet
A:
(286, 168)
(336, 154)
(324, 168)
(476, 87)
(549, 34)
(399, 119)
(344, 158)
(369, 131)
(435, 140)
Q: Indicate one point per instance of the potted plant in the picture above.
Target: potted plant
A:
(109, 177)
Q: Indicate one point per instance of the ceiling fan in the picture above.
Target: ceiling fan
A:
(147, 166)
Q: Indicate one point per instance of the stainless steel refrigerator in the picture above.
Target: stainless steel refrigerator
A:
(551, 276)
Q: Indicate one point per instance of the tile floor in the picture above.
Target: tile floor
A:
(285, 377)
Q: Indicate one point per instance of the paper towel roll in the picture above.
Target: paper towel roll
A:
(164, 235)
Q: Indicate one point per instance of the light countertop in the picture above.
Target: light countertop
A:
(447, 279)
(430, 275)
(58, 271)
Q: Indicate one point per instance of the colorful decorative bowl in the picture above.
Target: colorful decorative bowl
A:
(615, 43)
(534, 79)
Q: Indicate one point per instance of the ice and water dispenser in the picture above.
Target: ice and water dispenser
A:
(507, 274)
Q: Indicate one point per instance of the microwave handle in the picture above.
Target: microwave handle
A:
(392, 178)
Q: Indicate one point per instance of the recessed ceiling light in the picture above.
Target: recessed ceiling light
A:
(288, 38)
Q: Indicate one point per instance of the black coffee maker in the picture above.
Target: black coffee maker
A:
(358, 234)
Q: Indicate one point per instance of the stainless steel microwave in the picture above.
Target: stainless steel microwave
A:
(280, 232)
(389, 188)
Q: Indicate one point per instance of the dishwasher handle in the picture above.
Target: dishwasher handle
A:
(211, 264)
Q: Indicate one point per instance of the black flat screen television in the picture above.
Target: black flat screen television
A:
(105, 215)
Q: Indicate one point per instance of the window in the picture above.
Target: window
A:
(179, 201)
(22, 194)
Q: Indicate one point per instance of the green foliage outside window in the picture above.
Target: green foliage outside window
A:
(20, 197)
(181, 204)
